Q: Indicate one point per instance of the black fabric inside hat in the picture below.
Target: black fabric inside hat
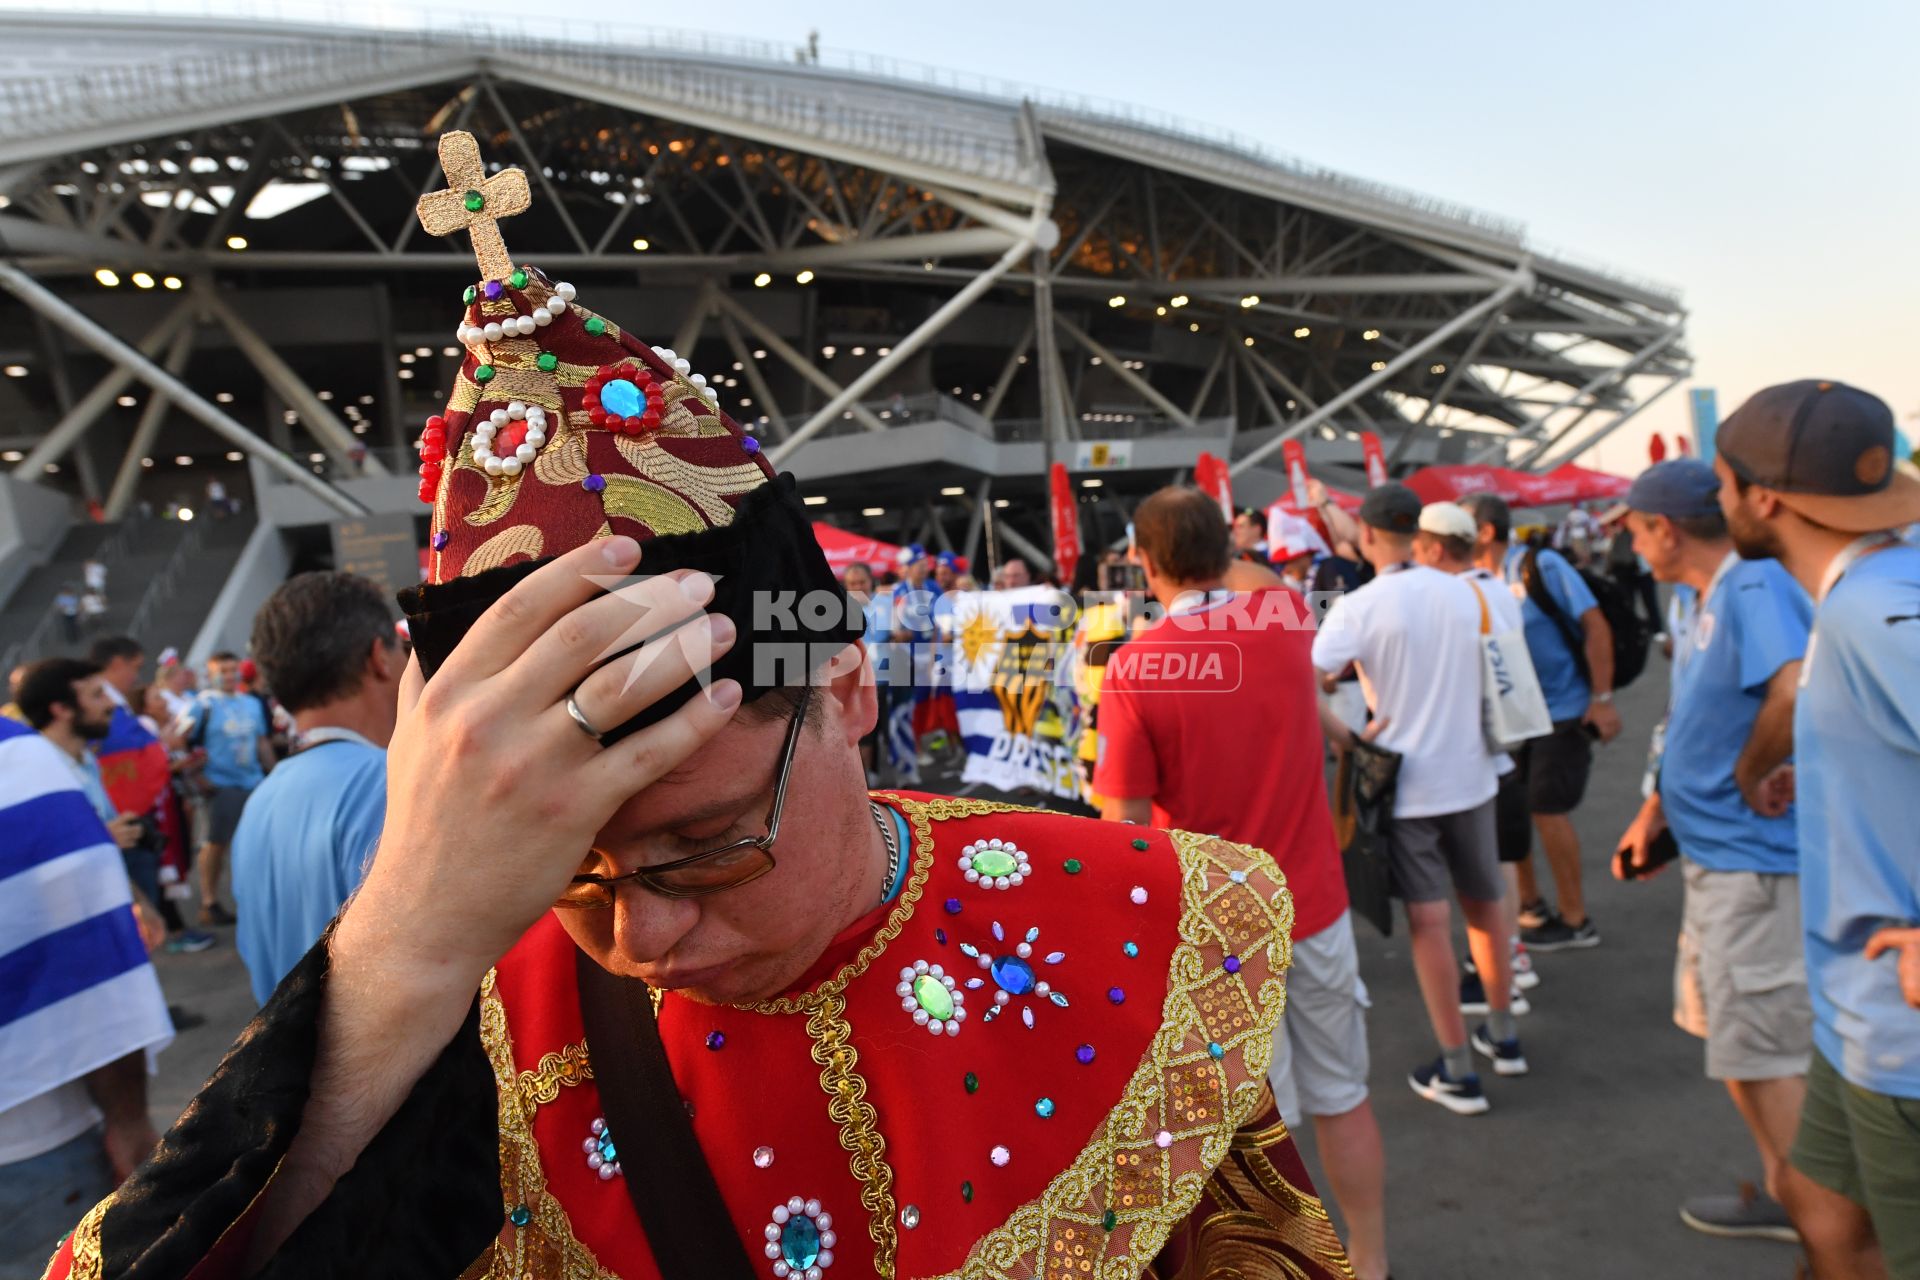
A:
(767, 556)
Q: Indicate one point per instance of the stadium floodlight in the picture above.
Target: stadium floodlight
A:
(236, 243)
(16, 371)
(642, 244)
(873, 511)
(814, 500)
(1251, 301)
(762, 280)
(1303, 332)
(107, 276)
(1117, 300)
(171, 282)
(953, 491)
(805, 277)
(141, 280)
(1178, 300)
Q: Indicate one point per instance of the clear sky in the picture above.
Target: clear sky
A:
(1763, 156)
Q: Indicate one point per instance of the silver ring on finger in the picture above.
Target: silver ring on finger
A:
(580, 718)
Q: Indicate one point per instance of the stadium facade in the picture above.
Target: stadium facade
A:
(921, 288)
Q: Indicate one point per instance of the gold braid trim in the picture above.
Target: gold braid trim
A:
(88, 1262)
(546, 1247)
(825, 1007)
(519, 539)
(1262, 1219)
(1179, 1086)
(859, 1130)
(554, 1072)
(921, 814)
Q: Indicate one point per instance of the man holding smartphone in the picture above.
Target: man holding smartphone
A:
(1723, 794)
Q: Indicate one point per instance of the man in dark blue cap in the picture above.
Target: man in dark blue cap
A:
(1717, 786)
(1808, 475)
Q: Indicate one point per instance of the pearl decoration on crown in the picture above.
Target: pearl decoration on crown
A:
(524, 450)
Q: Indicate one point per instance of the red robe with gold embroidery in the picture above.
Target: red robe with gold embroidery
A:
(1094, 1101)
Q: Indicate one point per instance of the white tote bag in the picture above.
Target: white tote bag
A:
(1512, 707)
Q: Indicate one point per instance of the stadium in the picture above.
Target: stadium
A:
(920, 288)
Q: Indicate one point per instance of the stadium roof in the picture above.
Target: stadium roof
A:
(1212, 292)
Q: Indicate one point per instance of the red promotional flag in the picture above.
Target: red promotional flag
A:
(843, 548)
(1066, 526)
(1295, 455)
(1210, 474)
(1686, 446)
(1656, 447)
(1376, 458)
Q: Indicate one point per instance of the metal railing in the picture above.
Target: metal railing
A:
(37, 640)
(166, 583)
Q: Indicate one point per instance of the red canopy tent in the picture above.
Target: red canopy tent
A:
(1586, 484)
(845, 548)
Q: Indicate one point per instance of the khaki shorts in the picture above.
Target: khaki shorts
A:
(1740, 974)
(1320, 1061)
(1865, 1146)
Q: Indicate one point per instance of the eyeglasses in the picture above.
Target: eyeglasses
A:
(714, 871)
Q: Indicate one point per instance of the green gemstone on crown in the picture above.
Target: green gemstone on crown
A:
(1072, 866)
(474, 201)
(596, 326)
(932, 995)
(1138, 843)
(1109, 1219)
(470, 295)
(973, 1083)
(483, 374)
(995, 862)
(547, 362)
(966, 1192)
(518, 279)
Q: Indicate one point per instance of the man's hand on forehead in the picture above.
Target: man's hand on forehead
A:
(490, 771)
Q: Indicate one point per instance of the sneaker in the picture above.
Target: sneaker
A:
(216, 913)
(189, 942)
(1534, 914)
(1517, 1005)
(1505, 1055)
(1557, 935)
(1751, 1215)
(1524, 977)
(1462, 1097)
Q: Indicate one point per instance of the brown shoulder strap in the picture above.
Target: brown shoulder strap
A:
(665, 1171)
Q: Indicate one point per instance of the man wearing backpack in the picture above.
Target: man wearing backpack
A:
(1571, 644)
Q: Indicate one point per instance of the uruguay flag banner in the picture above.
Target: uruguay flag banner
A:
(76, 989)
(1009, 658)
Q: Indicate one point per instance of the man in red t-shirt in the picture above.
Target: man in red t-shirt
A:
(1210, 721)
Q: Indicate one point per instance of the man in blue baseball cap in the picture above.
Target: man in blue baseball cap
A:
(1808, 475)
(1718, 787)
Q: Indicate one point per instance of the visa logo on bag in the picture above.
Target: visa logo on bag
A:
(1497, 666)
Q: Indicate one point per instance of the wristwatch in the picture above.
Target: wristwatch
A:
(1606, 697)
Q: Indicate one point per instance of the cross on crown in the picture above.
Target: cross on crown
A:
(475, 201)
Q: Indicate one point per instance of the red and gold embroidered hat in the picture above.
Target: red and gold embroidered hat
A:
(563, 427)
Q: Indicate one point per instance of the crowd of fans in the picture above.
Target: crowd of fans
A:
(1780, 781)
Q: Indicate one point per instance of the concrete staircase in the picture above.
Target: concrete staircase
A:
(162, 577)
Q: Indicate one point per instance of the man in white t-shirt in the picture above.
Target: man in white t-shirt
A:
(1445, 542)
(1413, 632)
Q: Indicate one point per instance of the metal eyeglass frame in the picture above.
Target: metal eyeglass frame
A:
(645, 875)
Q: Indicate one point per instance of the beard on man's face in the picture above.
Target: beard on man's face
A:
(1753, 538)
(93, 730)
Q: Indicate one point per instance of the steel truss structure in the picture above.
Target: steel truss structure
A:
(915, 285)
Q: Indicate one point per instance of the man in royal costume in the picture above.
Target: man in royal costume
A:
(771, 1025)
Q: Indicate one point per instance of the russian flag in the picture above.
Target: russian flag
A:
(133, 764)
(76, 988)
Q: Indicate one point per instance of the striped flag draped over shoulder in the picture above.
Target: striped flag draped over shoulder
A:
(76, 988)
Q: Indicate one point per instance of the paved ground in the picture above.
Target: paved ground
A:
(1577, 1172)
